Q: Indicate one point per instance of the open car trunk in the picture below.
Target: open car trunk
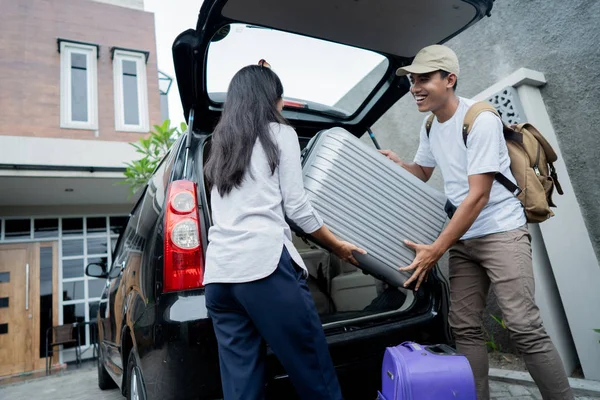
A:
(392, 31)
(343, 293)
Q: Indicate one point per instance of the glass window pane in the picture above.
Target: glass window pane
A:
(3, 329)
(46, 261)
(73, 290)
(17, 229)
(72, 247)
(97, 245)
(129, 68)
(75, 313)
(73, 268)
(339, 83)
(45, 228)
(72, 226)
(94, 225)
(130, 94)
(96, 287)
(3, 302)
(98, 260)
(79, 88)
(94, 306)
(4, 277)
(78, 60)
(117, 224)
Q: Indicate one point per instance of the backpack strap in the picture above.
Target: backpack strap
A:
(472, 113)
(429, 123)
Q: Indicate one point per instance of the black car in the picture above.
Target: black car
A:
(156, 339)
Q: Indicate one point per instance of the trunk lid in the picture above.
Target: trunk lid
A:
(352, 46)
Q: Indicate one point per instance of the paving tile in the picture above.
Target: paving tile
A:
(519, 390)
(83, 385)
(498, 386)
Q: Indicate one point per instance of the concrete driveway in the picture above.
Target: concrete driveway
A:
(79, 384)
(82, 384)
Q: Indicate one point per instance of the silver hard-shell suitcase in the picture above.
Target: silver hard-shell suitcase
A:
(370, 201)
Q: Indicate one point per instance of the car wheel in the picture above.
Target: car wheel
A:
(135, 386)
(105, 381)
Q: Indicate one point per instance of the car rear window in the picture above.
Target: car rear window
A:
(310, 69)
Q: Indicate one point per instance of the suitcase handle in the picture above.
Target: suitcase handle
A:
(441, 349)
(412, 346)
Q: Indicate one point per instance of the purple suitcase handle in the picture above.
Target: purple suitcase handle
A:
(441, 349)
(437, 349)
(412, 346)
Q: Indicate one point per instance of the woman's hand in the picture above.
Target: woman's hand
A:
(341, 248)
(344, 251)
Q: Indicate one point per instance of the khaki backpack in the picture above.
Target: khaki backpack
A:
(531, 158)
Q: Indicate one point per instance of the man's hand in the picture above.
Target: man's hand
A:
(391, 155)
(423, 173)
(427, 255)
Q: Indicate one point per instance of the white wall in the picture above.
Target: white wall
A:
(136, 4)
(17, 150)
(77, 210)
(574, 275)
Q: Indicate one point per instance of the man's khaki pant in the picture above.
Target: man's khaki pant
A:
(504, 260)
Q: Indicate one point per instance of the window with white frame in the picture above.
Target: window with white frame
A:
(78, 86)
(81, 240)
(131, 92)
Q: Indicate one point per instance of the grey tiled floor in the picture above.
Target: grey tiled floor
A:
(82, 385)
(506, 391)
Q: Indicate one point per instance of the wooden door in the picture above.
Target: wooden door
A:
(19, 292)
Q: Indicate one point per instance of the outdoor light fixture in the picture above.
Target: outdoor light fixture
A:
(164, 82)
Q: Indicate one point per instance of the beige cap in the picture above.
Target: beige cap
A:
(430, 59)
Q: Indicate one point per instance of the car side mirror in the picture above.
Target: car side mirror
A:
(95, 270)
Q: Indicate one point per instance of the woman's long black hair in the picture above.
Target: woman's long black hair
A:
(250, 106)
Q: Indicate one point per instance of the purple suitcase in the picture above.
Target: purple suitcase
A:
(412, 371)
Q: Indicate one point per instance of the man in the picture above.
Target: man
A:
(487, 236)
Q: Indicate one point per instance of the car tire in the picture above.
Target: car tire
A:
(105, 381)
(135, 385)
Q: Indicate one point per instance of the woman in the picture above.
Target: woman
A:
(255, 279)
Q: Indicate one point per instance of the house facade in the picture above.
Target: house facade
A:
(79, 83)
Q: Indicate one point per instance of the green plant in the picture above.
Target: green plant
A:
(490, 342)
(153, 148)
(597, 331)
(500, 321)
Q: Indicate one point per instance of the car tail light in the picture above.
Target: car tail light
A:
(184, 260)
(294, 104)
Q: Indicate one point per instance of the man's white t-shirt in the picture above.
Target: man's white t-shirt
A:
(486, 151)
